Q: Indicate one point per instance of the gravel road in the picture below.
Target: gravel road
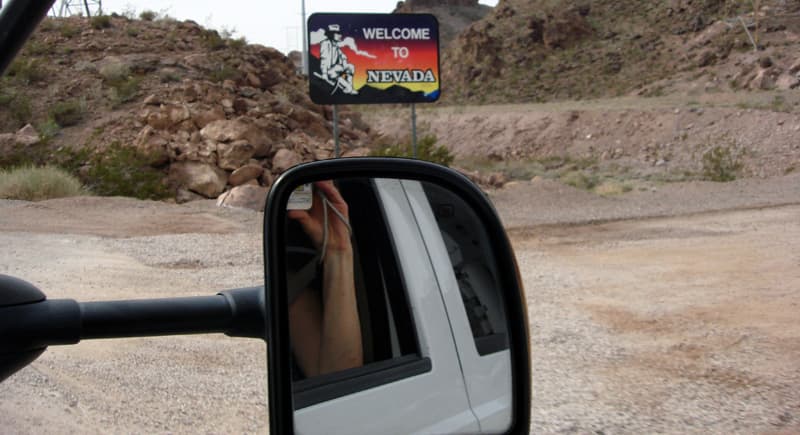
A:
(667, 311)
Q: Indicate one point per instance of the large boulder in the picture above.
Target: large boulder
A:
(285, 159)
(225, 130)
(250, 171)
(246, 196)
(151, 145)
(204, 117)
(197, 151)
(202, 178)
(235, 154)
(27, 136)
(243, 128)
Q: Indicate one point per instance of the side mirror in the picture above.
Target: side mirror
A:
(395, 301)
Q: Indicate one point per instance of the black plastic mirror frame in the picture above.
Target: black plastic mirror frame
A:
(281, 410)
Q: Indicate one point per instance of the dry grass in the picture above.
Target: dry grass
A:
(38, 183)
(612, 188)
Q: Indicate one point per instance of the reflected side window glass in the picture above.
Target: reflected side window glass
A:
(473, 266)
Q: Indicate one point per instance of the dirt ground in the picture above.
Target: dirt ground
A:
(665, 136)
(647, 315)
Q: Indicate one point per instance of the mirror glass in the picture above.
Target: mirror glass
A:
(396, 315)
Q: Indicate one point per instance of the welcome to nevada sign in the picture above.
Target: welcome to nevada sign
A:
(373, 58)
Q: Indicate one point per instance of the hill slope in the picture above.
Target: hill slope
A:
(160, 108)
(542, 50)
(453, 15)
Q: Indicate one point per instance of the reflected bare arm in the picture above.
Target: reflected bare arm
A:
(326, 331)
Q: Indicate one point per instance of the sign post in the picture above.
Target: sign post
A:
(373, 59)
(414, 128)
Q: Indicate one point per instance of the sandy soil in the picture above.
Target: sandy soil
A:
(672, 311)
(665, 135)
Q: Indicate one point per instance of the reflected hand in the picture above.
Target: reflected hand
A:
(313, 220)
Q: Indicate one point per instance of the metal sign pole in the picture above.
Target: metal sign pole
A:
(336, 130)
(305, 39)
(414, 128)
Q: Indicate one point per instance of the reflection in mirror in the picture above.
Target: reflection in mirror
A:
(396, 316)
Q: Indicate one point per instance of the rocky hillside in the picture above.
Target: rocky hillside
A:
(174, 107)
(453, 15)
(543, 50)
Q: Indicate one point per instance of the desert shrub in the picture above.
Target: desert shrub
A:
(27, 71)
(223, 72)
(38, 183)
(114, 72)
(47, 25)
(100, 22)
(37, 47)
(48, 129)
(67, 113)
(122, 171)
(68, 31)
(212, 40)
(579, 180)
(238, 43)
(20, 155)
(124, 86)
(169, 76)
(148, 15)
(70, 159)
(612, 187)
(125, 90)
(17, 104)
(721, 164)
(427, 149)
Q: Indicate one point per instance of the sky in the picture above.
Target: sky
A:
(273, 23)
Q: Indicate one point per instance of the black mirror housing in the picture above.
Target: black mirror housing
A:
(280, 347)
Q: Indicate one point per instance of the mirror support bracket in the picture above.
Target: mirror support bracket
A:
(29, 322)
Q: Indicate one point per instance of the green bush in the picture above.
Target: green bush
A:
(212, 40)
(47, 25)
(427, 149)
(223, 72)
(48, 129)
(125, 90)
(101, 22)
(27, 71)
(122, 171)
(124, 86)
(238, 43)
(68, 113)
(612, 188)
(38, 183)
(721, 164)
(168, 76)
(580, 180)
(37, 47)
(114, 72)
(17, 104)
(68, 30)
(148, 15)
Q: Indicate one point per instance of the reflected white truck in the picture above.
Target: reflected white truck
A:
(458, 377)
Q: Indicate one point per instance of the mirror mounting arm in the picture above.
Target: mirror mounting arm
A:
(236, 313)
(29, 322)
